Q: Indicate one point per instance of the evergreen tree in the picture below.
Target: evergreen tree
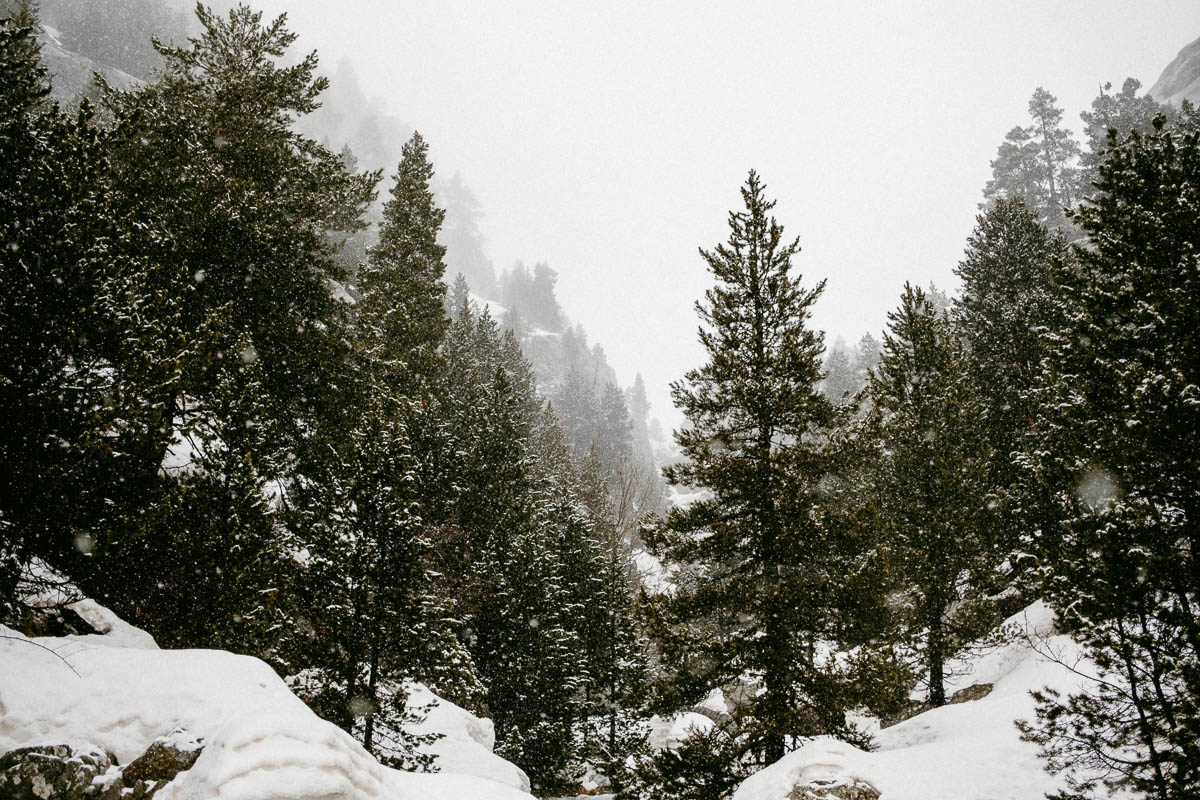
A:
(1037, 163)
(1115, 447)
(754, 440)
(839, 380)
(1007, 306)
(1121, 111)
(402, 290)
(85, 357)
(364, 588)
(464, 242)
(933, 479)
(208, 151)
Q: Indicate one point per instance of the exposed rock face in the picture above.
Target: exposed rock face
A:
(974, 692)
(162, 761)
(977, 691)
(848, 789)
(1181, 79)
(51, 773)
(58, 772)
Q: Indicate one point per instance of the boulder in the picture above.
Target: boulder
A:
(55, 772)
(836, 789)
(162, 761)
(976, 691)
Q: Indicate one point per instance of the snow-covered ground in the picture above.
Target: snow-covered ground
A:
(118, 692)
(967, 750)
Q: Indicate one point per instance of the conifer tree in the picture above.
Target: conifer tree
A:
(1122, 111)
(87, 353)
(1115, 447)
(1007, 307)
(401, 283)
(364, 590)
(1037, 163)
(933, 479)
(208, 150)
(756, 423)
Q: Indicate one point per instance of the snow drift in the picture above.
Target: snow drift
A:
(117, 692)
(966, 750)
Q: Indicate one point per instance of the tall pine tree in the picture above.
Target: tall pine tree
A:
(756, 423)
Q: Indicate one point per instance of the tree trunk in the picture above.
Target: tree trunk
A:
(936, 652)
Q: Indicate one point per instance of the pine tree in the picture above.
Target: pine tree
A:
(1121, 111)
(87, 353)
(364, 588)
(401, 283)
(247, 205)
(839, 381)
(933, 479)
(1115, 447)
(1037, 163)
(1007, 306)
(753, 439)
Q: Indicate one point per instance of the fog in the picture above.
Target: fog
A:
(610, 140)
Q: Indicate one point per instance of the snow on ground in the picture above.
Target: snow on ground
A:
(467, 741)
(118, 692)
(966, 750)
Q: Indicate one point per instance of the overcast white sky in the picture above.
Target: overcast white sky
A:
(610, 138)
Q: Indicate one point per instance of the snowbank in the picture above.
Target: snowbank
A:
(118, 693)
(467, 741)
(966, 750)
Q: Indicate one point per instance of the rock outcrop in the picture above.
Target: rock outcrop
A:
(52, 773)
(1181, 79)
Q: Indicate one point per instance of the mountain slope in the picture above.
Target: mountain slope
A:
(1181, 79)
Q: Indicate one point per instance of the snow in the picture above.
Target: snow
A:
(118, 692)
(467, 741)
(966, 750)
(667, 733)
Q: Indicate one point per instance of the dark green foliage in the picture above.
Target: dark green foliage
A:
(1007, 306)
(363, 588)
(1116, 448)
(708, 765)
(933, 480)
(401, 283)
(86, 362)
(755, 438)
(207, 150)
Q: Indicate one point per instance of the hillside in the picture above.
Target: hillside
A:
(1181, 78)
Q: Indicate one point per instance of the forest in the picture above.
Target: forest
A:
(257, 398)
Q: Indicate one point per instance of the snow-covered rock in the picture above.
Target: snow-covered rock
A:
(114, 693)
(966, 750)
(466, 742)
(669, 732)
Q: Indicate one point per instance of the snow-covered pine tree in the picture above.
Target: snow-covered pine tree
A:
(755, 440)
(86, 359)
(1007, 306)
(933, 479)
(1116, 447)
(363, 589)
(247, 205)
(401, 283)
